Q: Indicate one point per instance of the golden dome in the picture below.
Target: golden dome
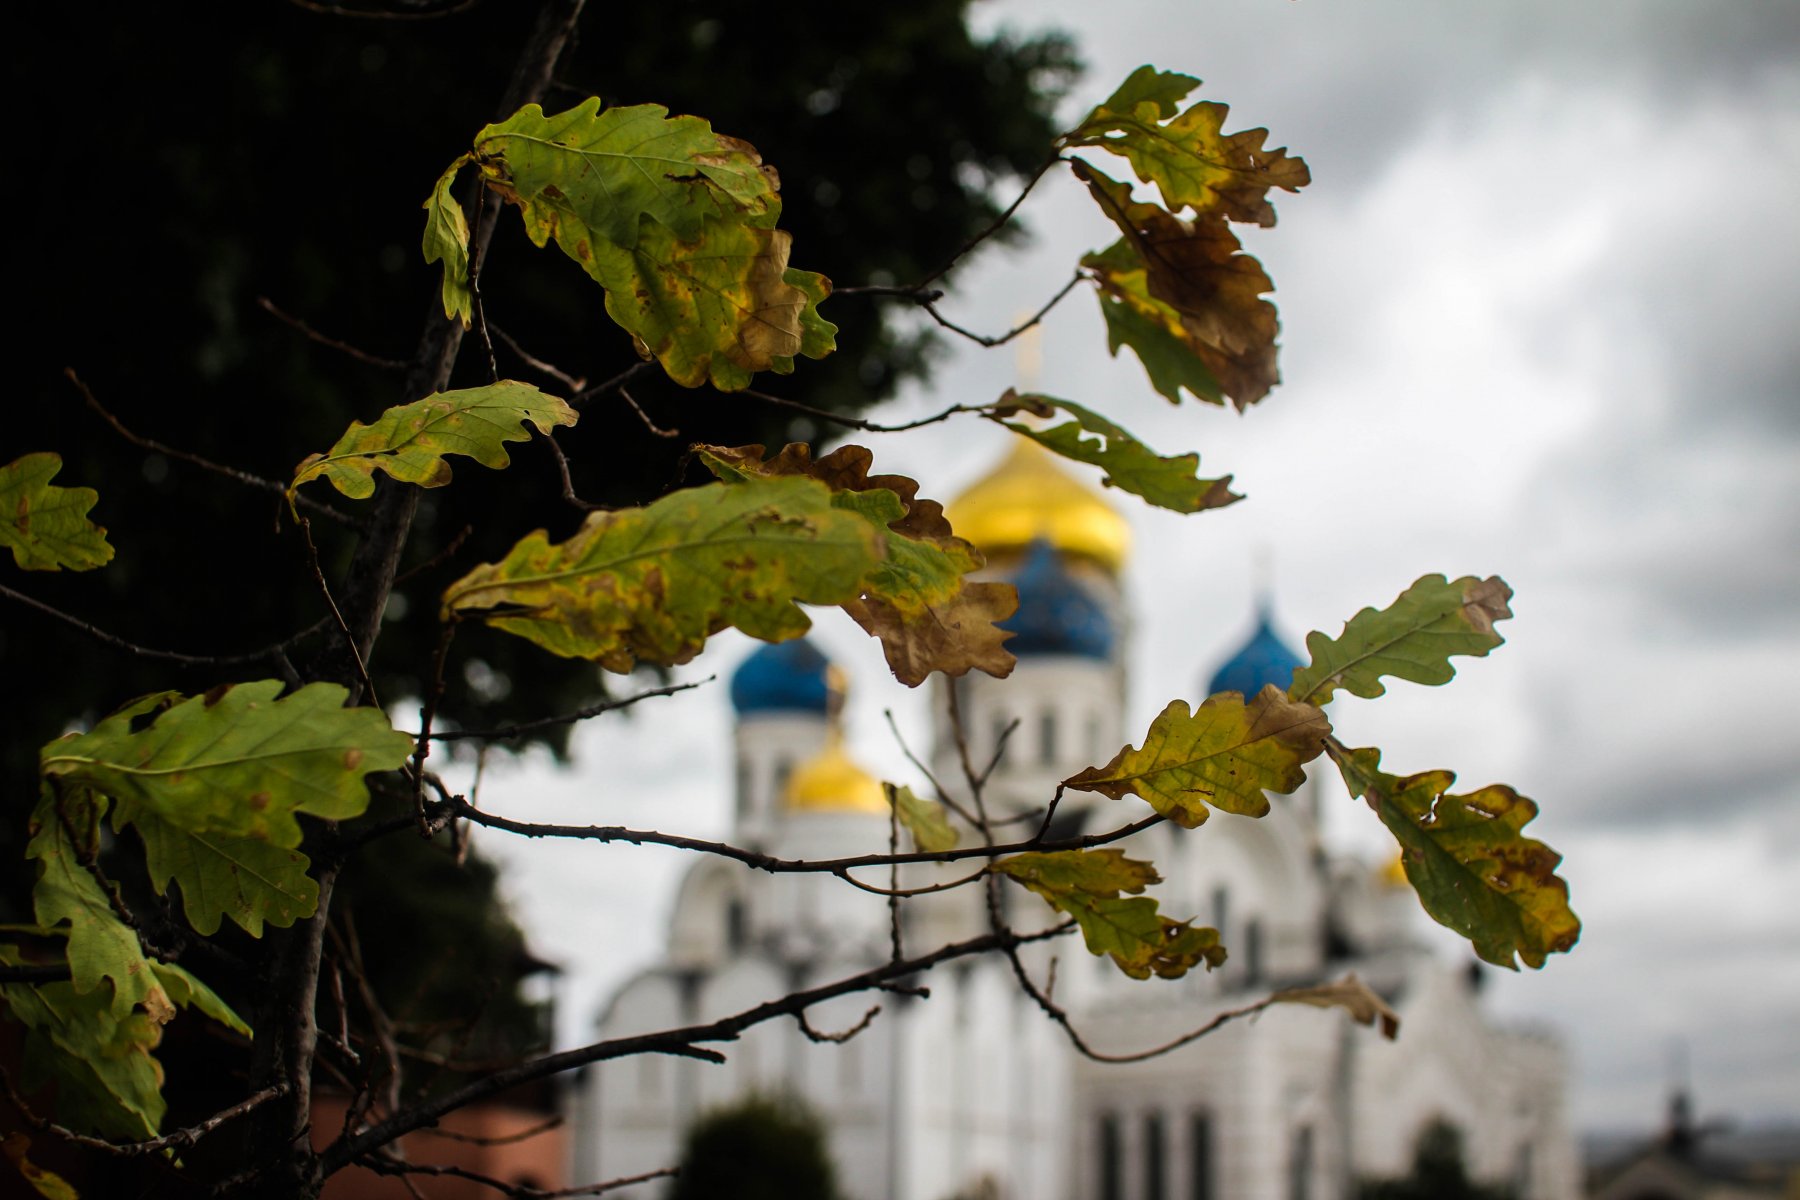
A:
(832, 782)
(1028, 496)
(1393, 875)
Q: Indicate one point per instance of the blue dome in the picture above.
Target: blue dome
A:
(1263, 659)
(1057, 615)
(782, 677)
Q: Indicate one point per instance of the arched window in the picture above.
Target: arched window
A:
(1111, 1158)
(1253, 951)
(1300, 1162)
(1047, 738)
(1156, 1158)
(1200, 1157)
(737, 924)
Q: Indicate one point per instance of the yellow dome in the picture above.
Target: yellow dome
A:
(1394, 873)
(833, 782)
(1029, 496)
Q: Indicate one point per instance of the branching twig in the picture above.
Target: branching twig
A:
(683, 1041)
(643, 416)
(993, 226)
(168, 1141)
(573, 382)
(434, 695)
(819, 1035)
(206, 464)
(437, 559)
(617, 381)
(362, 668)
(477, 256)
(858, 422)
(507, 1139)
(1015, 331)
(272, 650)
(593, 710)
(943, 794)
(568, 483)
(360, 355)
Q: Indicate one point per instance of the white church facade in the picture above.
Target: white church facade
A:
(973, 1092)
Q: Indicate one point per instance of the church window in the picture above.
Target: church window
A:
(743, 786)
(1221, 906)
(1300, 1156)
(1047, 738)
(1200, 1157)
(1253, 951)
(783, 768)
(1112, 1158)
(737, 924)
(1156, 1158)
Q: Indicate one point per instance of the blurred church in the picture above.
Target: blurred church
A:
(972, 1092)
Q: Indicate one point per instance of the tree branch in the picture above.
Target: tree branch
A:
(581, 714)
(169, 1141)
(311, 334)
(1015, 331)
(210, 660)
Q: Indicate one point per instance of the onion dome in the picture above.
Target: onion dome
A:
(1264, 659)
(1028, 497)
(1057, 615)
(789, 676)
(832, 782)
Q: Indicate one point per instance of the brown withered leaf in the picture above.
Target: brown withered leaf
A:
(927, 616)
(1350, 994)
(1196, 281)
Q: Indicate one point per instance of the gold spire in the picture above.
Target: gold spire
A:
(832, 782)
(1028, 496)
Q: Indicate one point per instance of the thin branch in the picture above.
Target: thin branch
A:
(993, 226)
(232, 473)
(617, 381)
(593, 710)
(643, 416)
(362, 668)
(913, 292)
(1015, 331)
(169, 1141)
(568, 483)
(818, 1035)
(508, 1139)
(767, 862)
(682, 1041)
(434, 696)
(437, 559)
(919, 765)
(478, 256)
(360, 355)
(858, 422)
(272, 650)
(573, 382)
(382, 1165)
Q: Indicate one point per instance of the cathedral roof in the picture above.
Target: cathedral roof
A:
(832, 782)
(1057, 615)
(1264, 659)
(782, 677)
(1027, 497)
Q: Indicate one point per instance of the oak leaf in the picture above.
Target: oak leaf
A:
(924, 819)
(916, 600)
(16, 1148)
(47, 527)
(1130, 466)
(1474, 869)
(1224, 754)
(1086, 885)
(1186, 153)
(1350, 994)
(652, 584)
(1191, 279)
(409, 441)
(447, 241)
(1413, 638)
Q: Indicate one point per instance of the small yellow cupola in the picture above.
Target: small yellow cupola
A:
(831, 781)
(1029, 497)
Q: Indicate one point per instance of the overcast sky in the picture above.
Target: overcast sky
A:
(1539, 315)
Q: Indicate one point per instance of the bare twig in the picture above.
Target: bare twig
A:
(593, 710)
(683, 1041)
(169, 1141)
(437, 559)
(568, 483)
(360, 355)
(858, 422)
(477, 256)
(383, 1165)
(543, 367)
(993, 226)
(362, 668)
(916, 294)
(1015, 331)
(617, 381)
(819, 1035)
(272, 650)
(643, 416)
(508, 1139)
(943, 794)
(434, 695)
(206, 464)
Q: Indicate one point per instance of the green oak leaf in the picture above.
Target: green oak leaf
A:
(249, 879)
(653, 583)
(1474, 869)
(917, 599)
(236, 761)
(65, 830)
(1193, 279)
(1412, 638)
(1224, 754)
(924, 819)
(818, 337)
(447, 241)
(188, 992)
(46, 527)
(719, 308)
(1085, 885)
(1130, 466)
(16, 1148)
(410, 441)
(1153, 332)
(587, 175)
(1187, 154)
